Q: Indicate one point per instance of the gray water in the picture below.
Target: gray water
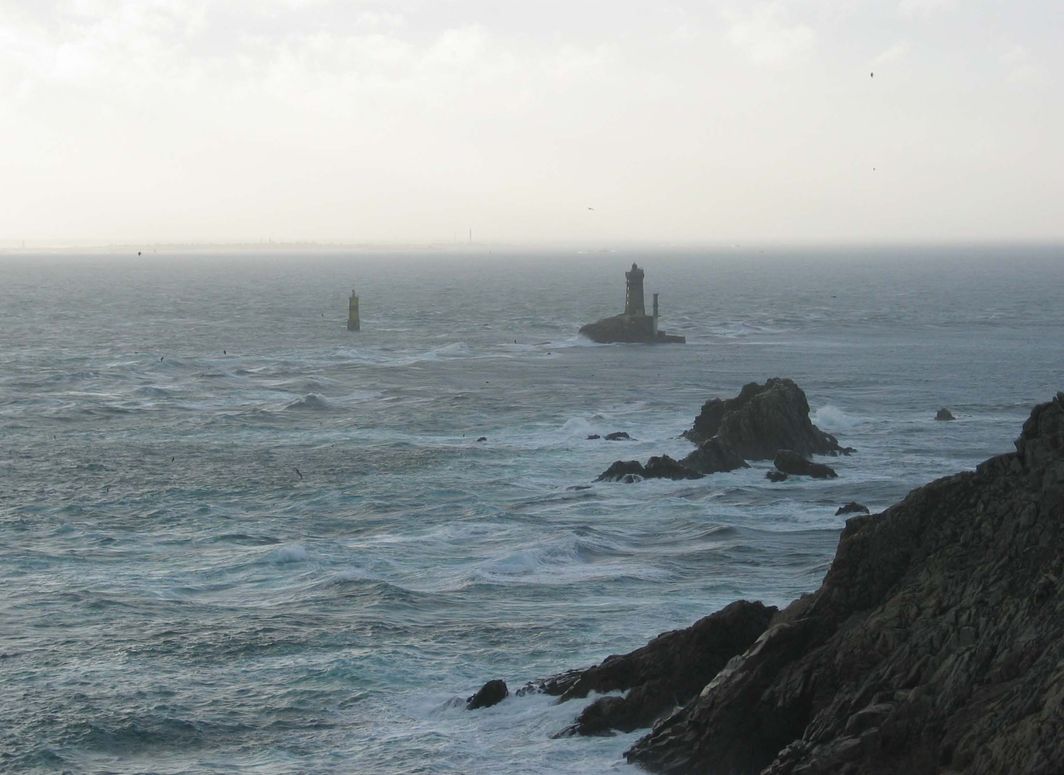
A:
(235, 537)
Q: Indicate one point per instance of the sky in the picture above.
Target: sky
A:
(536, 122)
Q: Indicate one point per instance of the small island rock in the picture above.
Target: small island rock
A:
(491, 693)
(763, 419)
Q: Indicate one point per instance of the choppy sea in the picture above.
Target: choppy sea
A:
(235, 537)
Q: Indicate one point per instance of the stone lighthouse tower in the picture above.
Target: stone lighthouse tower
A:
(353, 321)
(633, 295)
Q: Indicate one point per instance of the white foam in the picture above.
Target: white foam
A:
(831, 418)
(288, 554)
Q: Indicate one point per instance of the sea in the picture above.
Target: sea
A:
(237, 538)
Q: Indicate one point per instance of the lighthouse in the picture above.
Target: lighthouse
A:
(633, 294)
(353, 322)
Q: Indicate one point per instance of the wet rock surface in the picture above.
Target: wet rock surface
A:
(622, 471)
(666, 672)
(658, 467)
(853, 507)
(714, 457)
(491, 693)
(633, 329)
(935, 643)
(790, 462)
(944, 414)
(762, 420)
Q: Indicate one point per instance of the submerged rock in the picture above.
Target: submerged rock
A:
(790, 462)
(491, 693)
(935, 643)
(853, 507)
(776, 476)
(618, 436)
(944, 414)
(762, 420)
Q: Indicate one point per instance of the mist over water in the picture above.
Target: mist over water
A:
(236, 537)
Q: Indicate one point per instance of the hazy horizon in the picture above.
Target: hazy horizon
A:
(410, 123)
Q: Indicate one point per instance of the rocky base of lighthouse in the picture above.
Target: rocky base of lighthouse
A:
(628, 328)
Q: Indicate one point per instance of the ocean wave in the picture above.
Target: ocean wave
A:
(312, 402)
(566, 561)
(285, 555)
(831, 418)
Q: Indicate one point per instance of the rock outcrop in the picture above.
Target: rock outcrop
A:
(631, 329)
(762, 420)
(944, 414)
(627, 471)
(790, 462)
(657, 467)
(713, 457)
(666, 672)
(491, 693)
(934, 645)
(853, 507)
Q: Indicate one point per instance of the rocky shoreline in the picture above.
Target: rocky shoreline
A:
(935, 644)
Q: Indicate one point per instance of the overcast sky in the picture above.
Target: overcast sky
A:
(415, 120)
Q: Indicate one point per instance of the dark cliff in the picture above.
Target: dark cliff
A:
(935, 643)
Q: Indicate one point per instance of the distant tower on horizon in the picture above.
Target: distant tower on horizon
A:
(633, 294)
(353, 321)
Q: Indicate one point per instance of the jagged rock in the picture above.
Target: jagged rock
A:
(944, 414)
(853, 507)
(790, 462)
(593, 436)
(664, 467)
(934, 645)
(491, 693)
(482, 438)
(763, 419)
(776, 476)
(622, 471)
(666, 672)
(618, 436)
(555, 685)
(713, 457)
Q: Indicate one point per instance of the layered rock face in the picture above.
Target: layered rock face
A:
(935, 644)
(762, 420)
(666, 672)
